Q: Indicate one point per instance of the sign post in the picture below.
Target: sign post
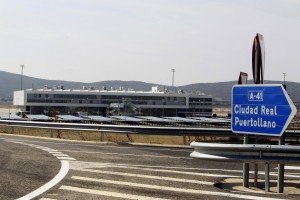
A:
(258, 72)
(261, 110)
(243, 78)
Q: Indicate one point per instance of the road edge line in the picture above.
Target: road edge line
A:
(65, 166)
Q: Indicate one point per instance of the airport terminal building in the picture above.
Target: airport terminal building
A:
(157, 102)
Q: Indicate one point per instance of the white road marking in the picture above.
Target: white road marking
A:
(285, 175)
(290, 167)
(168, 167)
(65, 158)
(127, 154)
(107, 193)
(175, 172)
(65, 166)
(146, 176)
(81, 164)
(61, 174)
(59, 154)
(172, 189)
(87, 165)
(292, 175)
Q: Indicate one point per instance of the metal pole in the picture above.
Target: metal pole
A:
(246, 166)
(284, 83)
(173, 71)
(256, 166)
(267, 177)
(8, 111)
(255, 174)
(22, 66)
(280, 179)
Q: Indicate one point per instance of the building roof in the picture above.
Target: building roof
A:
(114, 91)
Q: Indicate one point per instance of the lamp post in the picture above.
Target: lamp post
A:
(22, 67)
(173, 72)
(284, 83)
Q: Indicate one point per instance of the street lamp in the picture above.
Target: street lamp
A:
(173, 72)
(22, 67)
(284, 83)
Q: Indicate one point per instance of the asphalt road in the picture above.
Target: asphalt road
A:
(81, 170)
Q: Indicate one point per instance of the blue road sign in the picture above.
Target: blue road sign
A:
(261, 109)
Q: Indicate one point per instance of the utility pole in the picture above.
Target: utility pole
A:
(22, 67)
(173, 72)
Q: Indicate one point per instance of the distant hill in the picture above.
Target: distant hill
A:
(10, 82)
(223, 89)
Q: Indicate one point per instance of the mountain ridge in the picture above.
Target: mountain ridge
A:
(10, 82)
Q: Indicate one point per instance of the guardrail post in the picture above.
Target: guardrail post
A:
(246, 166)
(102, 136)
(184, 140)
(267, 177)
(280, 179)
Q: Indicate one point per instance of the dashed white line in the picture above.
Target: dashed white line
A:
(66, 158)
(59, 154)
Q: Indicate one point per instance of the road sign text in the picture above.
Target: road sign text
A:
(261, 109)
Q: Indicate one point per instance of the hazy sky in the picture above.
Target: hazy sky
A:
(95, 40)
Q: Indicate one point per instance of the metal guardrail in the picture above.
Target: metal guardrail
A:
(133, 129)
(246, 152)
